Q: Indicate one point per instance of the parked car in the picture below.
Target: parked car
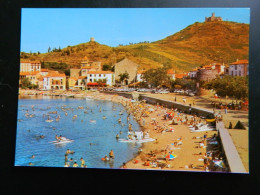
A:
(163, 91)
(179, 91)
(191, 94)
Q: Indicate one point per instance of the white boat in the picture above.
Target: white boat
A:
(137, 137)
(62, 141)
(48, 121)
(136, 140)
(202, 128)
(198, 125)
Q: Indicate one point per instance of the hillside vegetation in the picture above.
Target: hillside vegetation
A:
(196, 45)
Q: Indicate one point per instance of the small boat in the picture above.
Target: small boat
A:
(48, 121)
(137, 137)
(136, 140)
(203, 128)
(62, 141)
(210, 120)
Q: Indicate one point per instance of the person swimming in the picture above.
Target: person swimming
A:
(111, 154)
(82, 162)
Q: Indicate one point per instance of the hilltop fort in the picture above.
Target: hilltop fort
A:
(213, 18)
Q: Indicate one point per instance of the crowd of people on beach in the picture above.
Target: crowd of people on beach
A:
(212, 158)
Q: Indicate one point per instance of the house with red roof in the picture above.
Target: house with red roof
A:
(54, 80)
(29, 66)
(239, 68)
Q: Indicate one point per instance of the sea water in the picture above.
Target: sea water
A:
(94, 132)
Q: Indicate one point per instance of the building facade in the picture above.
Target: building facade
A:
(30, 66)
(126, 66)
(106, 77)
(239, 68)
(54, 81)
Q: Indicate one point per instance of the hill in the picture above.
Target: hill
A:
(196, 45)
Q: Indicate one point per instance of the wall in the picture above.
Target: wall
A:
(206, 74)
(168, 104)
(184, 108)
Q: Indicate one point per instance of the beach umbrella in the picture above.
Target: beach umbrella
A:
(171, 156)
(218, 163)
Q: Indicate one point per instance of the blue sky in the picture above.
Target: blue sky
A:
(42, 28)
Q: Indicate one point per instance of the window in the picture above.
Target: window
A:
(99, 75)
(235, 67)
(239, 73)
(90, 75)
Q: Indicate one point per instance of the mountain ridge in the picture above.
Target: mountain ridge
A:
(197, 44)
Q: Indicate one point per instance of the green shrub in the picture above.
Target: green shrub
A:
(239, 125)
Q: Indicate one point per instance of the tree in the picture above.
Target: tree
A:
(157, 77)
(49, 49)
(123, 77)
(25, 83)
(107, 67)
(235, 87)
(185, 84)
(239, 125)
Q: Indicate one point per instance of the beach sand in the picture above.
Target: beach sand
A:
(187, 153)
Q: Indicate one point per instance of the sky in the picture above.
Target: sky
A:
(42, 28)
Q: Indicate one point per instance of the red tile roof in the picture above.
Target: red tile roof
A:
(100, 72)
(170, 71)
(240, 62)
(55, 74)
(180, 76)
(29, 73)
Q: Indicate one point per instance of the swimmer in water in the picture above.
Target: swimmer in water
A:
(82, 162)
(75, 164)
(111, 154)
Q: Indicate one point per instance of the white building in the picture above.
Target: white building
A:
(107, 77)
(239, 68)
(193, 74)
(30, 66)
(171, 74)
(139, 76)
(219, 67)
(54, 80)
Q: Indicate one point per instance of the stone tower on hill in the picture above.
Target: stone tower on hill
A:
(213, 18)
